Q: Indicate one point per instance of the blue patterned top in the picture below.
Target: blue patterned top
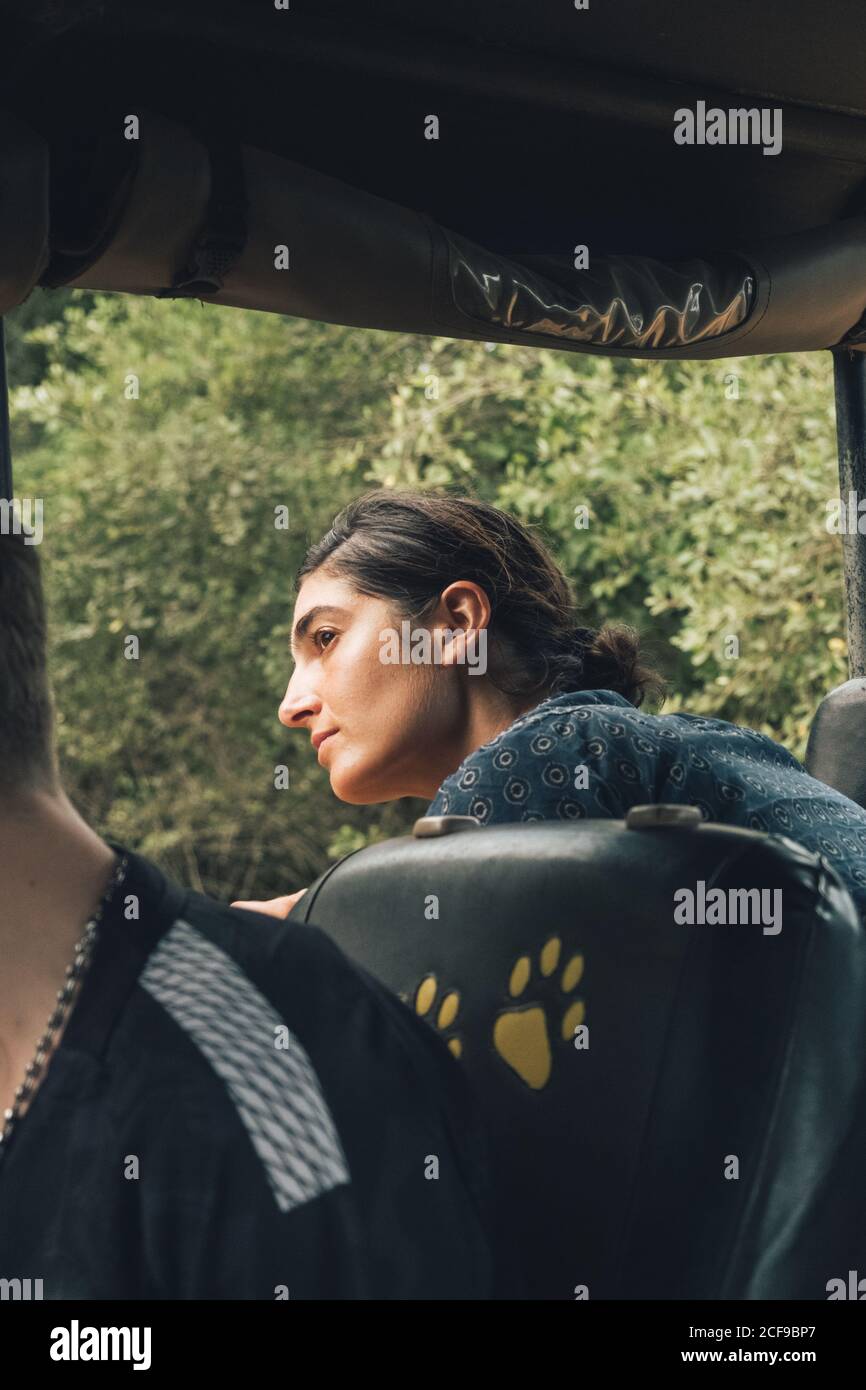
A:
(591, 753)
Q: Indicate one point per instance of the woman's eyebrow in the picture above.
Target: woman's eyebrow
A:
(303, 624)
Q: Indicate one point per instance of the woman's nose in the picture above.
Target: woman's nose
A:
(298, 705)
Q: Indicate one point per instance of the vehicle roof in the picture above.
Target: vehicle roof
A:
(556, 123)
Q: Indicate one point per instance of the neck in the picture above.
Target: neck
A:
(484, 713)
(55, 871)
(492, 715)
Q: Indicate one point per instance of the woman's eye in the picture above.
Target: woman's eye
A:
(323, 632)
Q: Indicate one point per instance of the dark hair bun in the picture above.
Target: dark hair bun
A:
(609, 659)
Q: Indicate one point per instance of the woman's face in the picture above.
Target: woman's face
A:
(394, 728)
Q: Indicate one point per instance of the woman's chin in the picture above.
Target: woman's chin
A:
(348, 788)
(358, 791)
(356, 798)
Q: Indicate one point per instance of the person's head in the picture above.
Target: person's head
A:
(424, 624)
(27, 757)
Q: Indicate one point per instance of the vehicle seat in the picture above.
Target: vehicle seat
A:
(676, 1111)
(836, 753)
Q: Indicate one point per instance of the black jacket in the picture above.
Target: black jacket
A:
(235, 1111)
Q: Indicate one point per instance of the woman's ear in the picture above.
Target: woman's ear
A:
(464, 605)
(465, 612)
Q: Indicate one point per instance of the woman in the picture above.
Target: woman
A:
(437, 654)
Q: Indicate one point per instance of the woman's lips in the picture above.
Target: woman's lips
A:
(320, 736)
(325, 740)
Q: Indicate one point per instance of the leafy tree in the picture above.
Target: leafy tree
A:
(163, 436)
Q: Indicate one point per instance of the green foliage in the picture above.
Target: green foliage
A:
(706, 519)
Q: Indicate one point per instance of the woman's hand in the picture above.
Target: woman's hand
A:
(274, 907)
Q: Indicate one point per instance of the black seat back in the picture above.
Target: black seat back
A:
(670, 1105)
(836, 753)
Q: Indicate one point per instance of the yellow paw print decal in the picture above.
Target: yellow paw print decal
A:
(521, 1035)
(449, 1007)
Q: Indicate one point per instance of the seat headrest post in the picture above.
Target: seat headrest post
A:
(849, 370)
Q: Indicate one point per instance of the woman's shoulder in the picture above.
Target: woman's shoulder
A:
(559, 715)
(552, 727)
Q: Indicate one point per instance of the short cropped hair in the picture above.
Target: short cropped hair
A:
(27, 757)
